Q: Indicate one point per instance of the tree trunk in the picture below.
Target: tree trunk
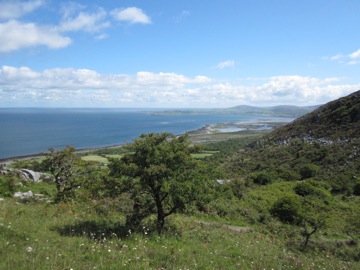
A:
(160, 214)
(307, 238)
(133, 220)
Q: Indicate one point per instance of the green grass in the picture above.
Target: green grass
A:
(95, 158)
(74, 236)
(100, 159)
(204, 154)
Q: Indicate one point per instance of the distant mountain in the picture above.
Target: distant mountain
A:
(338, 119)
(282, 110)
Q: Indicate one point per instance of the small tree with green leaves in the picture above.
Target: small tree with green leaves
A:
(288, 209)
(62, 165)
(160, 175)
(314, 218)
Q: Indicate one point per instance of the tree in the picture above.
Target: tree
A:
(62, 165)
(309, 170)
(160, 175)
(263, 177)
(288, 209)
(316, 213)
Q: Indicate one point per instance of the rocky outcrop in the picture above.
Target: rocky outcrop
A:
(28, 175)
(28, 196)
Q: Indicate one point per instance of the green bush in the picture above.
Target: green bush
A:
(263, 177)
(357, 189)
(288, 174)
(287, 209)
(310, 187)
(8, 184)
(309, 171)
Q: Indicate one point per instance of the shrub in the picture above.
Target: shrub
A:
(287, 209)
(263, 177)
(310, 187)
(288, 175)
(357, 189)
(8, 184)
(309, 171)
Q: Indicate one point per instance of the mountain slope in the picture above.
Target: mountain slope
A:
(323, 145)
(338, 119)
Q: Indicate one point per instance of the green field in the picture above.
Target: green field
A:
(92, 236)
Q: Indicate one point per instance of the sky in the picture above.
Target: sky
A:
(177, 54)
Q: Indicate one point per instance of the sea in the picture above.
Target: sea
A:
(28, 131)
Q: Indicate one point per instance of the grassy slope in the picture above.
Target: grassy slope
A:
(74, 236)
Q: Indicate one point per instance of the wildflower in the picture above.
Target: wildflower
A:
(29, 249)
(109, 250)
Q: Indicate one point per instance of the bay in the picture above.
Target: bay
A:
(27, 131)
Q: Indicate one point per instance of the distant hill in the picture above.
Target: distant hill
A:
(282, 110)
(338, 119)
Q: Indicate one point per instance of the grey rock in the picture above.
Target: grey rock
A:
(23, 195)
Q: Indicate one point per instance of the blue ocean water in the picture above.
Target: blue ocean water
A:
(31, 131)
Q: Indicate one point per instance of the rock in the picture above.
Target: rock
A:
(23, 195)
(34, 176)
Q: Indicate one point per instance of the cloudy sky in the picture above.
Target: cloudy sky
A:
(179, 53)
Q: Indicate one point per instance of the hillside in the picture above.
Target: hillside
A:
(288, 201)
(339, 119)
(323, 144)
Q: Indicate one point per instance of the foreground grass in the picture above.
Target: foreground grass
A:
(75, 236)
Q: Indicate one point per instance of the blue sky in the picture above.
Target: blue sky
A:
(177, 54)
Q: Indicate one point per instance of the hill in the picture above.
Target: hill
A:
(339, 119)
(323, 144)
(282, 110)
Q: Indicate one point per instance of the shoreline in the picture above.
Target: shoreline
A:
(218, 128)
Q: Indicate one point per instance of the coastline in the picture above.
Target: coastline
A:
(218, 128)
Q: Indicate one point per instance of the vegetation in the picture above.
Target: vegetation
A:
(160, 176)
(64, 166)
(286, 200)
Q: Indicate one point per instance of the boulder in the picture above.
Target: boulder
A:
(23, 195)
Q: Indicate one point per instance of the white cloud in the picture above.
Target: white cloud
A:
(16, 35)
(225, 64)
(131, 15)
(89, 22)
(183, 14)
(336, 57)
(16, 9)
(355, 54)
(83, 87)
(349, 59)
